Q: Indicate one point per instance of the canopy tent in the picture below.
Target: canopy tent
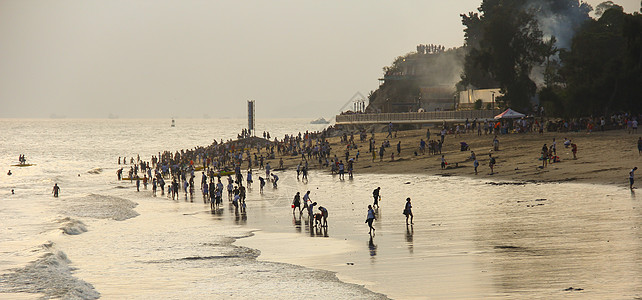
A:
(509, 114)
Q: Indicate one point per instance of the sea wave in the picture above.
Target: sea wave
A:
(72, 226)
(50, 275)
(101, 207)
(95, 171)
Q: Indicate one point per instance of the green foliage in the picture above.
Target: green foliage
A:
(478, 104)
(602, 71)
(505, 43)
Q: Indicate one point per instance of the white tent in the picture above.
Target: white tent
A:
(509, 114)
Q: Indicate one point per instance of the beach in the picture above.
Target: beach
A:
(511, 235)
(602, 157)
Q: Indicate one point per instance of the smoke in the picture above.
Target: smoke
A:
(559, 18)
(443, 69)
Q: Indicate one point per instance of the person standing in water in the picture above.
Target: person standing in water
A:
(296, 203)
(56, 190)
(408, 211)
(324, 213)
(632, 177)
(261, 184)
(370, 218)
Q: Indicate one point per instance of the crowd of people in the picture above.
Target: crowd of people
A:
(229, 161)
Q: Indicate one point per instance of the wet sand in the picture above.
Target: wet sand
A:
(471, 239)
(603, 157)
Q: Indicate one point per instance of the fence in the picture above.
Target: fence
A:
(417, 117)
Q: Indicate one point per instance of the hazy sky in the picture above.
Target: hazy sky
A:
(158, 59)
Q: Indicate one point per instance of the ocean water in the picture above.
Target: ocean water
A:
(472, 238)
(102, 239)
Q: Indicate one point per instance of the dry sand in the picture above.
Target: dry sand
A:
(603, 157)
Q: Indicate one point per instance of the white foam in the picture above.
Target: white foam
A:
(72, 226)
(49, 275)
(102, 207)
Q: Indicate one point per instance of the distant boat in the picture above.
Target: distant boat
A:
(173, 123)
(320, 121)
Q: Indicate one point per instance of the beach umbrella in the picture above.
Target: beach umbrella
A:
(510, 114)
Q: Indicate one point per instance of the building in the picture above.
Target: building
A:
(468, 98)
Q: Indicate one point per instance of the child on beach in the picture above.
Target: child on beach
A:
(574, 150)
(443, 162)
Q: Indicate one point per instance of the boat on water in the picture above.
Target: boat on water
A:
(320, 121)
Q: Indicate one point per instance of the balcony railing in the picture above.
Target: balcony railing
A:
(417, 117)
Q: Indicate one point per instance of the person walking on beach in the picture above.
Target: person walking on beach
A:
(370, 218)
(443, 162)
(491, 163)
(306, 199)
(475, 164)
(230, 191)
(206, 189)
(56, 190)
(175, 189)
(296, 203)
(544, 156)
(640, 146)
(375, 195)
(631, 177)
(408, 211)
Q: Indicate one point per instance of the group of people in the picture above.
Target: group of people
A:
(372, 215)
(318, 219)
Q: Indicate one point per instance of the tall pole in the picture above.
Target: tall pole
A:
(493, 108)
(250, 117)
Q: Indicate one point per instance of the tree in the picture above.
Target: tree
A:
(603, 69)
(504, 43)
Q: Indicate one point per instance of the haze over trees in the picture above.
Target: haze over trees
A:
(547, 51)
